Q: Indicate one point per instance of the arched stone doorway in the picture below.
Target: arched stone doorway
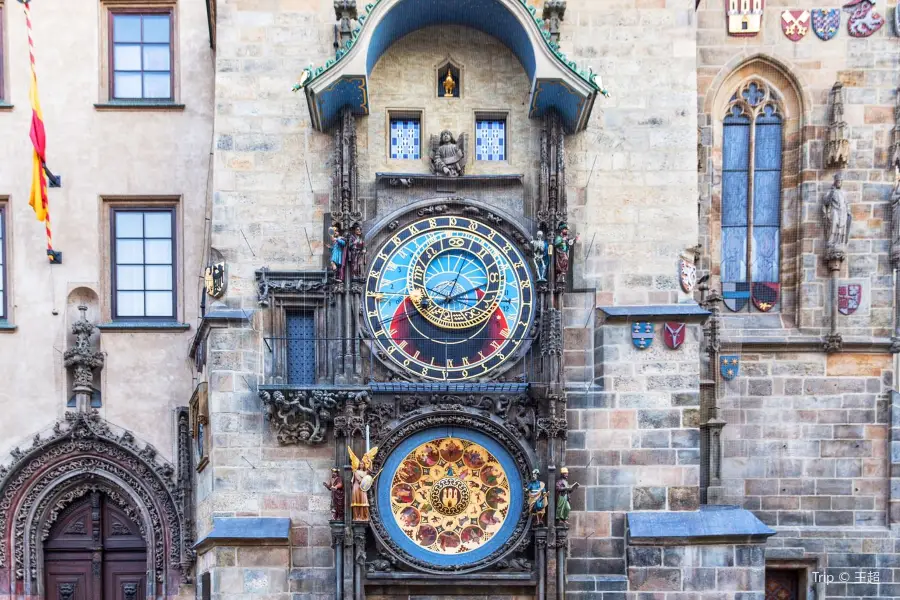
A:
(95, 551)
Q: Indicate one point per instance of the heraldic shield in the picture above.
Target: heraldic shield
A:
(736, 295)
(729, 366)
(765, 295)
(826, 23)
(795, 24)
(687, 273)
(849, 297)
(642, 335)
(674, 334)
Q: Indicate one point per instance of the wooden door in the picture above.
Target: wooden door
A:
(95, 552)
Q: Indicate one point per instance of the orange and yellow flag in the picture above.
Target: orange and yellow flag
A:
(38, 198)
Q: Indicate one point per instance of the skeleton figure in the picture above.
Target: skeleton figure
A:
(448, 157)
(836, 211)
(541, 250)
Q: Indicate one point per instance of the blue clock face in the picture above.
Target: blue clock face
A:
(449, 298)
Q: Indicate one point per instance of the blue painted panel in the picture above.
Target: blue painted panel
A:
(347, 91)
(516, 496)
(490, 139)
(734, 198)
(765, 254)
(301, 347)
(734, 254)
(766, 198)
(560, 97)
(736, 143)
(406, 139)
(768, 145)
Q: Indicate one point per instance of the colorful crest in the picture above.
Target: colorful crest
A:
(863, 21)
(736, 295)
(214, 279)
(765, 295)
(795, 24)
(674, 334)
(642, 335)
(849, 298)
(729, 366)
(744, 17)
(687, 273)
(826, 23)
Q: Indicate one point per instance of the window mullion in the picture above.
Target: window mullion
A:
(751, 173)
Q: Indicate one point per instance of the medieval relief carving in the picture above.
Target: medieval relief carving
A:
(303, 417)
(554, 12)
(81, 358)
(84, 455)
(449, 154)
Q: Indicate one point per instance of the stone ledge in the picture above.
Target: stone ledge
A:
(144, 326)
(7, 327)
(242, 531)
(218, 316)
(709, 525)
(806, 343)
(689, 313)
(139, 106)
(4, 107)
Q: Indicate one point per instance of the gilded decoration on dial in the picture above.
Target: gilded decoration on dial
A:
(449, 299)
(450, 495)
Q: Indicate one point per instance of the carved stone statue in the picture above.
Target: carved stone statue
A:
(338, 242)
(356, 251)
(363, 480)
(336, 487)
(536, 491)
(562, 245)
(540, 248)
(563, 491)
(836, 211)
(449, 84)
(448, 157)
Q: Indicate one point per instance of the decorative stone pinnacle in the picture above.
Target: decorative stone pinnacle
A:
(554, 12)
(81, 358)
(837, 149)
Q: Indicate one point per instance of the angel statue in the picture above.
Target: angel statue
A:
(447, 156)
(363, 480)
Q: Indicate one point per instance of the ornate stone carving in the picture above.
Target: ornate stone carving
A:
(83, 454)
(895, 146)
(291, 282)
(833, 343)
(129, 591)
(66, 591)
(449, 154)
(551, 333)
(345, 209)
(303, 416)
(837, 149)
(81, 358)
(554, 11)
(345, 13)
(895, 222)
(552, 204)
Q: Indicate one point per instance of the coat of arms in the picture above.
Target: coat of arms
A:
(215, 280)
(744, 17)
(674, 334)
(826, 23)
(795, 24)
(736, 295)
(729, 366)
(849, 297)
(642, 335)
(864, 21)
(764, 295)
(687, 273)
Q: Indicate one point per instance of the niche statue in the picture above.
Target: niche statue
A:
(836, 211)
(448, 157)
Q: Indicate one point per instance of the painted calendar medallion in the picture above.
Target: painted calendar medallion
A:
(458, 506)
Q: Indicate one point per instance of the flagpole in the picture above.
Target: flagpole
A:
(40, 201)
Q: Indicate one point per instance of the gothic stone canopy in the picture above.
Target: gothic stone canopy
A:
(556, 82)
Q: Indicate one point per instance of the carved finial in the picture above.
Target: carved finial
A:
(554, 12)
(81, 358)
(837, 149)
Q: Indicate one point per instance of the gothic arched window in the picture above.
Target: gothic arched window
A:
(751, 198)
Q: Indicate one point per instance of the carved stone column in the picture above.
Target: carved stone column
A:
(562, 547)
(895, 255)
(834, 258)
(359, 560)
(540, 549)
(81, 359)
(337, 542)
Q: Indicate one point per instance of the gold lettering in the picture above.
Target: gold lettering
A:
(465, 361)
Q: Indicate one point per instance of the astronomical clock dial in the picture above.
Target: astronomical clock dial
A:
(449, 299)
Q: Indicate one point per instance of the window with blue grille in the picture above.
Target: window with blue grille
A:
(406, 138)
(751, 195)
(490, 139)
(301, 347)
